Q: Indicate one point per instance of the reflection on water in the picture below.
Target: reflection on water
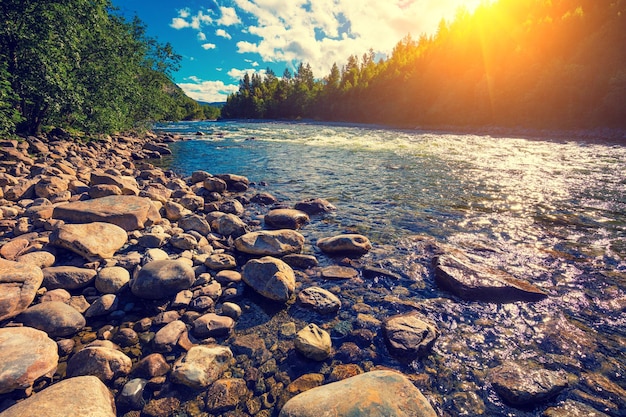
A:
(550, 213)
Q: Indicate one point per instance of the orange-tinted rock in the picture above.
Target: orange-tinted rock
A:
(18, 286)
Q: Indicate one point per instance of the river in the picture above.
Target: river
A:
(549, 212)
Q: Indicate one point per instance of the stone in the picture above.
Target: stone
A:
(59, 294)
(162, 279)
(154, 254)
(50, 186)
(183, 241)
(111, 280)
(344, 371)
(151, 366)
(235, 182)
(54, 317)
(92, 241)
(372, 394)
(167, 337)
(571, 408)
(474, 282)
(102, 306)
(270, 243)
(212, 325)
(195, 222)
(298, 260)
(231, 310)
(126, 184)
(214, 185)
(315, 206)
(220, 261)
(226, 394)
(319, 299)
(335, 272)
(156, 192)
(313, 342)
(24, 189)
(104, 362)
(524, 383)
(408, 336)
(229, 225)
(18, 287)
(161, 407)
(231, 207)
(12, 249)
(40, 258)
(80, 396)
(104, 190)
(175, 211)
(201, 366)
(132, 394)
(67, 277)
(27, 354)
(286, 219)
(125, 211)
(348, 244)
(153, 240)
(227, 276)
(270, 277)
(305, 383)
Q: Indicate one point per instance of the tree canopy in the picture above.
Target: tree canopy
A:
(77, 63)
(533, 63)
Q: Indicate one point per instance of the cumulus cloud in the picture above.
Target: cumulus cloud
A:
(223, 34)
(229, 17)
(321, 32)
(207, 91)
(237, 74)
(208, 46)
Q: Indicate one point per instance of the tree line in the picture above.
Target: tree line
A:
(529, 63)
(78, 64)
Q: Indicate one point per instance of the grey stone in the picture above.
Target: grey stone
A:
(161, 279)
(409, 336)
(67, 277)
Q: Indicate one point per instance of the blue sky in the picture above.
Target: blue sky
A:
(221, 40)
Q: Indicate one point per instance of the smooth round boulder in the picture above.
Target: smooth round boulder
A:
(345, 244)
(286, 219)
(102, 306)
(54, 317)
(112, 279)
(313, 342)
(315, 206)
(201, 366)
(162, 279)
(80, 396)
(372, 394)
(19, 283)
(229, 225)
(42, 259)
(319, 299)
(27, 354)
(408, 336)
(103, 362)
(270, 242)
(270, 277)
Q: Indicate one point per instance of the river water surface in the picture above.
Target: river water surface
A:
(551, 213)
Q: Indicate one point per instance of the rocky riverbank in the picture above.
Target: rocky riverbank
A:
(126, 290)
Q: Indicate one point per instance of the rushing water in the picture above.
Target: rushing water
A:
(551, 213)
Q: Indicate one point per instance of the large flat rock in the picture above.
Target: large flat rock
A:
(80, 396)
(92, 241)
(18, 286)
(126, 211)
(474, 282)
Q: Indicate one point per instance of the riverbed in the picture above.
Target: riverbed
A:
(552, 213)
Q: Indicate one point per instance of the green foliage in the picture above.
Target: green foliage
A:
(75, 63)
(533, 63)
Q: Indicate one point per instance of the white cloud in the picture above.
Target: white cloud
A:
(222, 33)
(208, 91)
(179, 23)
(229, 17)
(201, 36)
(238, 74)
(208, 46)
(321, 32)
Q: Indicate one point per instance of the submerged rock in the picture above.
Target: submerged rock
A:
(372, 394)
(521, 383)
(313, 342)
(476, 283)
(319, 299)
(286, 219)
(315, 206)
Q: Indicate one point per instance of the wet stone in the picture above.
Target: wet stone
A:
(104, 362)
(339, 272)
(315, 206)
(348, 244)
(286, 219)
(408, 336)
(313, 342)
(201, 366)
(522, 383)
(270, 243)
(226, 394)
(161, 279)
(151, 366)
(212, 325)
(270, 277)
(571, 408)
(319, 299)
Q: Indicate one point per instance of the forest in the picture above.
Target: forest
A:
(79, 65)
(558, 64)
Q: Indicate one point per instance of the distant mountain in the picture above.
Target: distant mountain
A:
(219, 104)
